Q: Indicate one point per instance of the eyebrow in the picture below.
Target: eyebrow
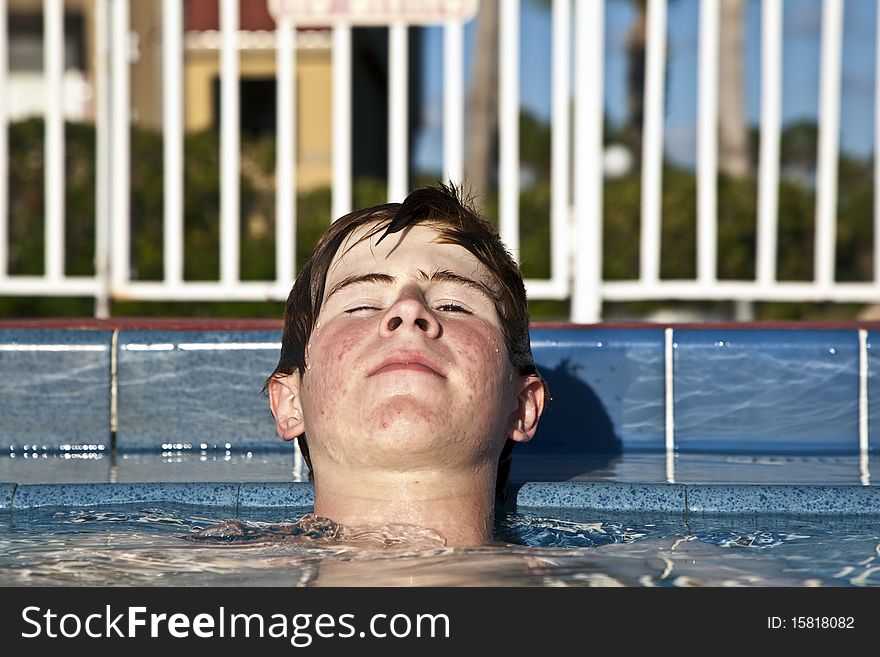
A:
(439, 276)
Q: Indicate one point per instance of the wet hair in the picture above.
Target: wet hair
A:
(455, 219)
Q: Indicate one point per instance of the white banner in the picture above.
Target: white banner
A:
(372, 12)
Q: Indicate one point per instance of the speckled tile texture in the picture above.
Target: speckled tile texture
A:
(607, 388)
(609, 495)
(6, 493)
(766, 390)
(749, 498)
(204, 494)
(194, 388)
(606, 496)
(276, 494)
(54, 388)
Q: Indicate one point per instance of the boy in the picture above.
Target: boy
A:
(406, 362)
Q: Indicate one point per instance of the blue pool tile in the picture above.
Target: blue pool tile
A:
(141, 467)
(202, 494)
(276, 494)
(545, 466)
(6, 493)
(766, 391)
(194, 388)
(770, 469)
(874, 391)
(54, 389)
(808, 500)
(607, 388)
(602, 496)
(56, 468)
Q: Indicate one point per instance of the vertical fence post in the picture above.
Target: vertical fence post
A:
(768, 175)
(102, 157)
(453, 102)
(652, 142)
(285, 177)
(53, 70)
(398, 121)
(508, 124)
(4, 146)
(119, 144)
(230, 164)
(560, 161)
(707, 142)
(172, 139)
(829, 126)
(341, 197)
(586, 305)
(877, 156)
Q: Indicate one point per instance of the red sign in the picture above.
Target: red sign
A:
(372, 12)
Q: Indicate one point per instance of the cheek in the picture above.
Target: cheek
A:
(333, 358)
(484, 360)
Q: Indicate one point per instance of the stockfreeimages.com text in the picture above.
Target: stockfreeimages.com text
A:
(300, 629)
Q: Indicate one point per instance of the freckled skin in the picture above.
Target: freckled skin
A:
(406, 420)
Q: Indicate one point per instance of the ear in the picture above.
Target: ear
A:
(523, 421)
(286, 408)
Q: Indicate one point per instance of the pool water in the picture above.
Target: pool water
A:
(178, 545)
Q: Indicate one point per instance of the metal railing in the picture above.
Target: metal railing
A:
(576, 210)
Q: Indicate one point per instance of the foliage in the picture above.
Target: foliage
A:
(737, 210)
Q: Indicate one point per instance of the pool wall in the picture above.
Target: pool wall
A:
(683, 499)
(121, 387)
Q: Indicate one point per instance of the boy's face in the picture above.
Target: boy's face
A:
(407, 364)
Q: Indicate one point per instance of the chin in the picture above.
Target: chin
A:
(401, 428)
(406, 413)
(408, 425)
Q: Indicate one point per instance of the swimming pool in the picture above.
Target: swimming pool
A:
(680, 455)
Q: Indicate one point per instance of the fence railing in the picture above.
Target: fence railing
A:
(576, 207)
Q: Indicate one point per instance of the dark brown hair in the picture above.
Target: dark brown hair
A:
(443, 208)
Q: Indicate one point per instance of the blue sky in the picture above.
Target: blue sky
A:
(800, 71)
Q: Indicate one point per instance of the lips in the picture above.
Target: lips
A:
(408, 361)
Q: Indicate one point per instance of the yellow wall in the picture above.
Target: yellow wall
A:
(202, 66)
(314, 132)
(313, 103)
(146, 72)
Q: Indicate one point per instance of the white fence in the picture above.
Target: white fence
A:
(576, 213)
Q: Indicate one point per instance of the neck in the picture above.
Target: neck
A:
(458, 505)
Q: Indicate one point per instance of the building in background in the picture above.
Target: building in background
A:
(26, 89)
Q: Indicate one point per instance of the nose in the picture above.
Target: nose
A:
(410, 313)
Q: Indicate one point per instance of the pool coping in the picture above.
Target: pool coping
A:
(687, 499)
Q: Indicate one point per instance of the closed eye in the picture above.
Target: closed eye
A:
(453, 308)
(359, 308)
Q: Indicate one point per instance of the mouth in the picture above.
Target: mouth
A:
(407, 363)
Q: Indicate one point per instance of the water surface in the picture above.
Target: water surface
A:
(189, 546)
